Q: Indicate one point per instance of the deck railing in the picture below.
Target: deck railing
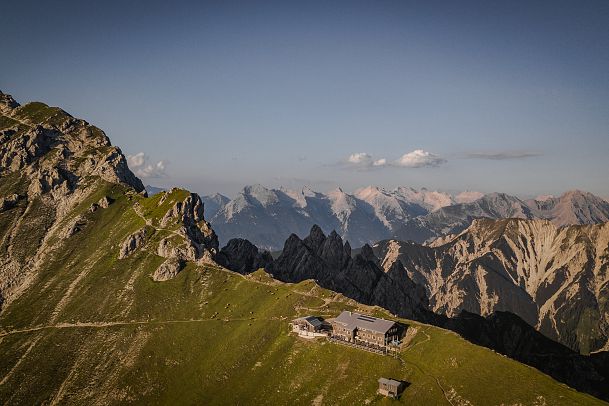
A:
(359, 345)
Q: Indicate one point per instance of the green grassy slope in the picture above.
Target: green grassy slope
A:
(95, 329)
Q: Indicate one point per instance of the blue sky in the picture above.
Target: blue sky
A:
(510, 96)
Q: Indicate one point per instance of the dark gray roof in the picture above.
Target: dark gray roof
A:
(387, 381)
(362, 321)
(312, 320)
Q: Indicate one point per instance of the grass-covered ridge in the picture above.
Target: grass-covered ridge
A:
(93, 328)
(86, 327)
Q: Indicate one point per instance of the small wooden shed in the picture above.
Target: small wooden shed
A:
(390, 387)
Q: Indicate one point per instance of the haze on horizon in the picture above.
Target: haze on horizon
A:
(510, 96)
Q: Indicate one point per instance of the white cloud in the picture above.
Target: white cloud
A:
(359, 158)
(137, 160)
(364, 160)
(142, 167)
(418, 159)
(415, 159)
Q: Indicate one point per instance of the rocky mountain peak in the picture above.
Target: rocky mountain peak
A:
(367, 253)
(468, 196)
(308, 192)
(57, 151)
(261, 194)
(329, 262)
(242, 256)
(315, 238)
(368, 192)
(61, 176)
(572, 207)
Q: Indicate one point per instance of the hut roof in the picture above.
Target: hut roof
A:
(388, 381)
(362, 321)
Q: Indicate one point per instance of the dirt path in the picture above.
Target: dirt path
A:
(138, 211)
(421, 369)
(103, 324)
(427, 338)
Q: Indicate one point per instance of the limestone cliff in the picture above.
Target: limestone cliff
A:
(555, 278)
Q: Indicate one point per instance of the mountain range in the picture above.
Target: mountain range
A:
(110, 296)
(267, 217)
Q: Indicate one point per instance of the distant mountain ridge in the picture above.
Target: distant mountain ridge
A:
(267, 217)
(572, 208)
(555, 278)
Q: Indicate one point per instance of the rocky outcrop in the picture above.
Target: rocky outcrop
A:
(328, 261)
(193, 240)
(103, 203)
(112, 167)
(188, 215)
(169, 269)
(73, 226)
(132, 243)
(7, 103)
(555, 278)
(242, 256)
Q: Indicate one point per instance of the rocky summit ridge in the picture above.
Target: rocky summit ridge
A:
(57, 174)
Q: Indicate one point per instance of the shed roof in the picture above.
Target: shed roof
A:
(352, 319)
(388, 381)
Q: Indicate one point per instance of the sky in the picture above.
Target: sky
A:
(509, 96)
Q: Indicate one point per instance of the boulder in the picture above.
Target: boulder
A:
(105, 202)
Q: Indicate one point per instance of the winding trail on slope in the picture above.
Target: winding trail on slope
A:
(103, 324)
(422, 370)
(417, 366)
